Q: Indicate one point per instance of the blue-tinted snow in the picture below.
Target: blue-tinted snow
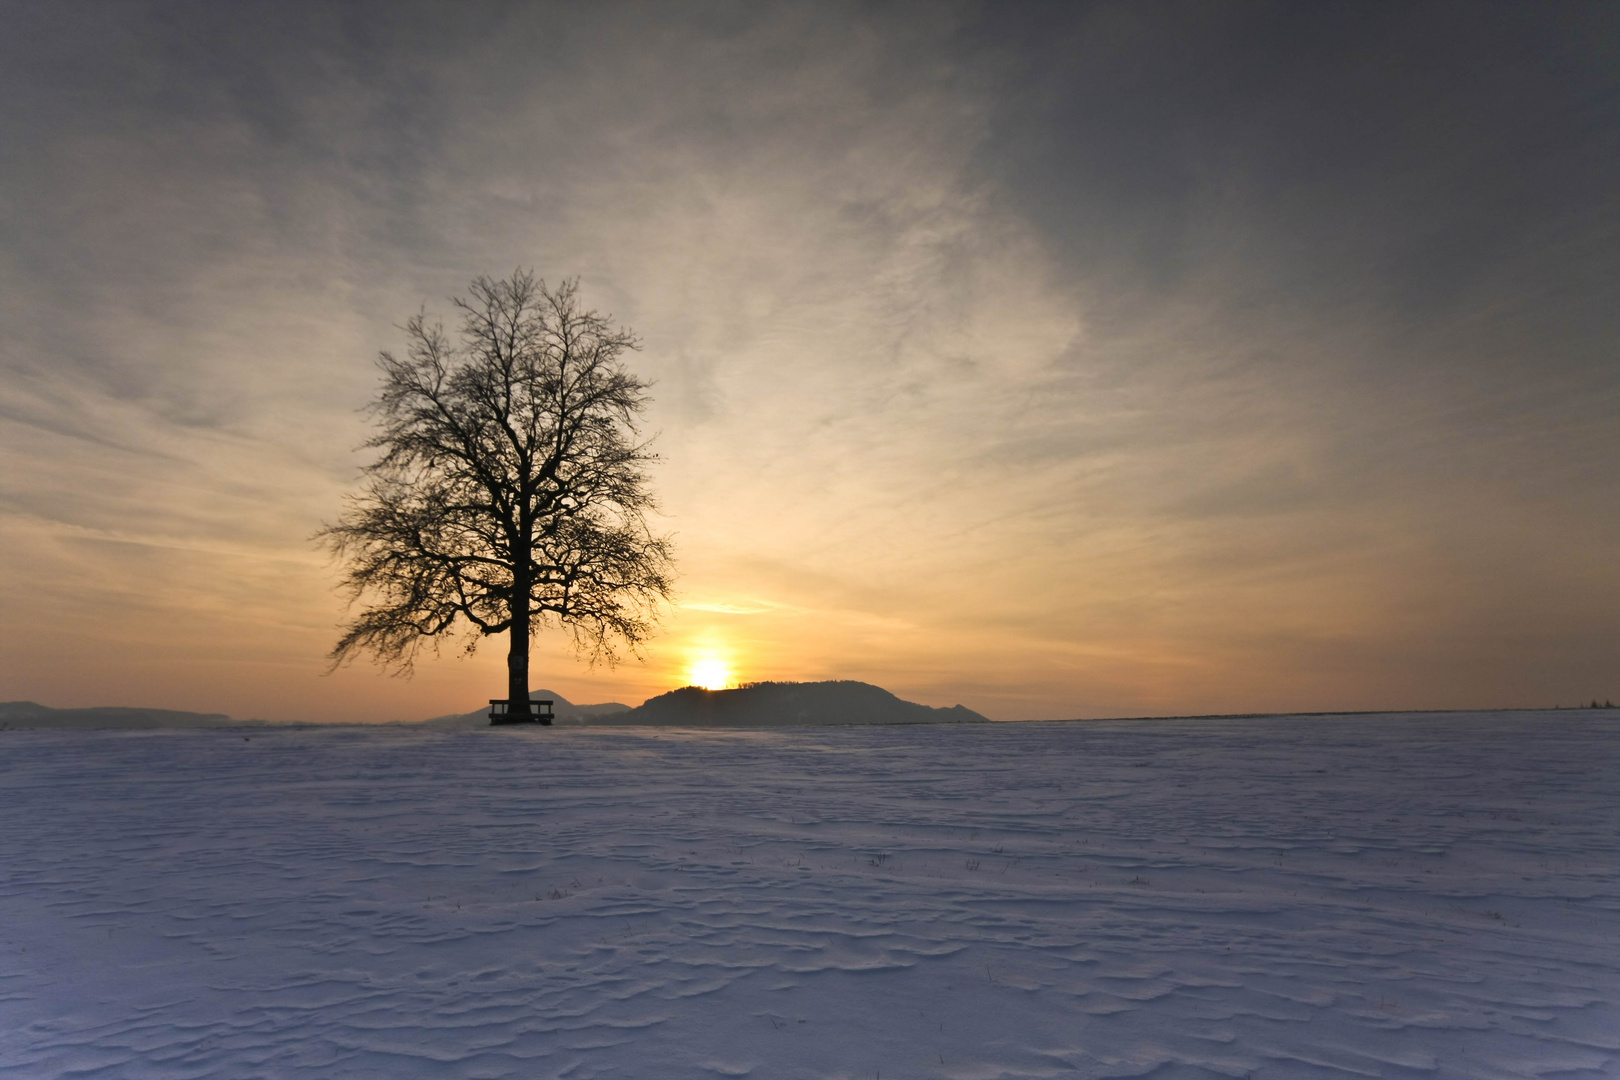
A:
(1423, 896)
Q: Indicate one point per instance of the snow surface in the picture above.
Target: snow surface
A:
(1423, 896)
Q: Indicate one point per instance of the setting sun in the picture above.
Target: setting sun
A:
(709, 673)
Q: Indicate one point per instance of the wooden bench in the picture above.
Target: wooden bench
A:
(527, 712)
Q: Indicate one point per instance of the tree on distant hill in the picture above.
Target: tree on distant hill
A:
(511, 492)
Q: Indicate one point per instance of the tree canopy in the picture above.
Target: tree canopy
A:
(511, 491)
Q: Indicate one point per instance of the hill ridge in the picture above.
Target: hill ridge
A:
(787, 704)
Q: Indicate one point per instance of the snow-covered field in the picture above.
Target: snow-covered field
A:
(1434, 896)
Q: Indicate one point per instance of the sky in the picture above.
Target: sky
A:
(1058, 360)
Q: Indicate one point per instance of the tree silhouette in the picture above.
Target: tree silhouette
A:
(511, 492)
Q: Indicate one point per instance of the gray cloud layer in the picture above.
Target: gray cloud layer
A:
(1060, 360)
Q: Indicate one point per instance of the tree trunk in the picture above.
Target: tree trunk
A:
(517, 654)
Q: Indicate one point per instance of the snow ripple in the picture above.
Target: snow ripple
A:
(1410, 896)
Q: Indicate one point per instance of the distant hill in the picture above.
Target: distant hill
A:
(566, 712)
(769, 704)
(783, 704)
(28, 714)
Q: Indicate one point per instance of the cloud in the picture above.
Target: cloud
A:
(1083, 359)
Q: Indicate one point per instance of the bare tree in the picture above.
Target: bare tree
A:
(511, 492)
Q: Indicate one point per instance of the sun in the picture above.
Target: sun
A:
(710, 673)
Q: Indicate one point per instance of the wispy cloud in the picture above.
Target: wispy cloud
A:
(1098, 359)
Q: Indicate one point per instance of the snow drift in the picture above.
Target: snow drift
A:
(1288, 899)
